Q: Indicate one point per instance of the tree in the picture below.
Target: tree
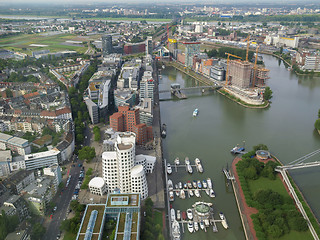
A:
(9, 93)
(38, 231)
(87, 153)
(281, 50)
(260, 147)
(267, 94)
(274, 231)
(317, 124)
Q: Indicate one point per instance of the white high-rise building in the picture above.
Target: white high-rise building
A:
(139, 181)
(118, 166)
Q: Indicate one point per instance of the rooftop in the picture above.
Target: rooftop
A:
(134, 199)
(42, 154)
(122, 146)
(97, 182)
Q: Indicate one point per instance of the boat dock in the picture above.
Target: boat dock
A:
(184, 166)
(228, 175)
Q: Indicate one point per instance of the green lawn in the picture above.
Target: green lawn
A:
(158, 218)
(21, 43)
(265, 183)
(294, 235)
(69, 236)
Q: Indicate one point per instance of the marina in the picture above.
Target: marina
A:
(201, 216)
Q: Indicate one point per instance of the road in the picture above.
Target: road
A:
(62, 203)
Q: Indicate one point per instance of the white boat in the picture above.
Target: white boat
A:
(169, 169)
(191, 193)
(163, 67)
(180, 185)
(212, 194)
(208, 192)
(176, 230)
(197, 161)
(189, 184)
(178, 215)
(189, 168)
(196, 226)
(194, 184)
(170, 185)
(190, 227)
(173, 214)
(176, 186)
(199, 184)
(197, 193)
(206, 222)
(189, 214)
(237, 149)
(209, 182)
(224, 220)
(204, 184)
(187, 161)
(200, 168)
(171, 196)
(195, 112)
(214, 228)
(201, 225)
(177, 161)
(182, 194)
(177, 193)
(185, 185)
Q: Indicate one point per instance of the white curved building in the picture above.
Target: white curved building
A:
(139, 181)
(110, 169)
(97, 186)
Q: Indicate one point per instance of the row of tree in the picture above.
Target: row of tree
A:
(72, 225)
(149, 228)
(317, 123)
(97, 134)
(7, 224)
(277, 213)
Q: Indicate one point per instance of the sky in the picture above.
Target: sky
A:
(153, 1)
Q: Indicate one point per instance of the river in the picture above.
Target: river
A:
(286, 127)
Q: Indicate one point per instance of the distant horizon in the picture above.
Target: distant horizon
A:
(217, 2)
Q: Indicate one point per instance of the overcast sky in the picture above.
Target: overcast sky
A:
(153, 1)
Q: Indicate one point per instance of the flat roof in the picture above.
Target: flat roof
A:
(41, 154)
(85, 220)
(122, 146)
(5, 137)
(134, 199)
(18, 141)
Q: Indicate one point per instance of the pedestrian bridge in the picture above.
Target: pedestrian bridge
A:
(190, 88)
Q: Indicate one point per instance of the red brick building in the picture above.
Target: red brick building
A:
(127, 119)
(116, 122)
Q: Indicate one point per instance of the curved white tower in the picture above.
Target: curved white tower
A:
(139, 181)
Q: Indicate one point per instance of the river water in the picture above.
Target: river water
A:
(286, 127)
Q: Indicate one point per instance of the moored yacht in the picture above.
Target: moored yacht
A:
(212, 194)
(182, 194)
(190, 226)
(189, 214)
(178, 215)
(191, 193)
(201, 225)
(177, 161)
(169, 169)
(197, 193)
(176, 230)
(170, 185)
(173, 214)
(196, 226)
(209, 182)
(187, 161)
(204, 184)
(171, 196)
(199, 184)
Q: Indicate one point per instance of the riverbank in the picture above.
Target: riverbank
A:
(229, 93)
(252, 216)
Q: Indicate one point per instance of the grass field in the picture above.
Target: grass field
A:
(265, 183)
(21, 43)
(277, 186)
(69, 236)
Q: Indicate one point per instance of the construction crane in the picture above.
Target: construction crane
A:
(255, 67)
(248, 45)
(228, 59)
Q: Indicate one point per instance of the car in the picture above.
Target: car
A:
(79, 165)
(51, 216)
(55, 208)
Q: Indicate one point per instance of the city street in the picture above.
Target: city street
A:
(62, 203)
